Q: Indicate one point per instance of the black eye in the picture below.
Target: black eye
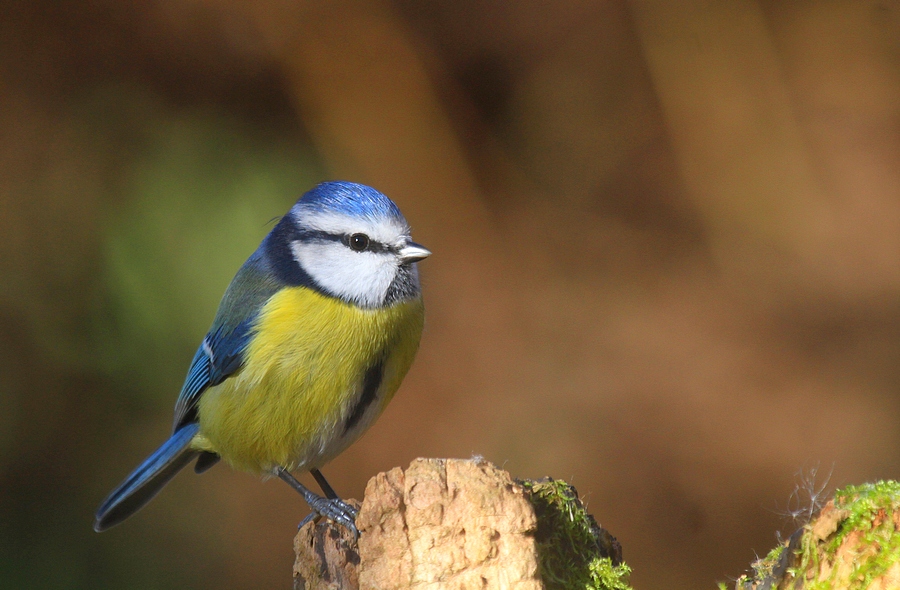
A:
(359, 242)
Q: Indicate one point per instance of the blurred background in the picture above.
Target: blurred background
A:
(666, 260)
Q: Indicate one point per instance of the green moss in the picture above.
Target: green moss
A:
(762, 568)
(866, 512)
(574, 552)
(871, 508)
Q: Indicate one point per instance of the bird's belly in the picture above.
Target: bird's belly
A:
(308, 387)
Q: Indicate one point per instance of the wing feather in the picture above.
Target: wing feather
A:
(221, 354)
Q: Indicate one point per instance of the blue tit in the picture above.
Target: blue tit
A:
(311, 340)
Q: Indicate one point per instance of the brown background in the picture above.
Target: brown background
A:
(666, 269)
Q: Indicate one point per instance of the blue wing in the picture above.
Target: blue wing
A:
(220, 355)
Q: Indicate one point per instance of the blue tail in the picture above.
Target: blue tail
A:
(148, 479)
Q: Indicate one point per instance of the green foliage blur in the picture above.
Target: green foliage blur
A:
(175, 200)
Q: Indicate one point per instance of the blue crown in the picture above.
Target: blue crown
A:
(350, 198)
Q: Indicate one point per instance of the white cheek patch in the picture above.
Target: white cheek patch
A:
(361, 277)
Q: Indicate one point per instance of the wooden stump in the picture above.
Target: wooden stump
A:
(447, 523)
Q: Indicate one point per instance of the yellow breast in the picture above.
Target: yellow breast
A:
(302, 377)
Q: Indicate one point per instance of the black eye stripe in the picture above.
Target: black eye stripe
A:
(359, 242)
(345, 239)
(311, 235)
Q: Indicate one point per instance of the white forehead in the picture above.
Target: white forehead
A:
(386, 230)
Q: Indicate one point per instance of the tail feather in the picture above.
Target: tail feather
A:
(148, 479)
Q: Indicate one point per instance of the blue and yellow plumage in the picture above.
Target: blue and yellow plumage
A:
(311, 340)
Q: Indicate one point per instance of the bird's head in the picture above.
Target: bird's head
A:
(351, 242)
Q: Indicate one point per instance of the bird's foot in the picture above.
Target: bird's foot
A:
(334, 509)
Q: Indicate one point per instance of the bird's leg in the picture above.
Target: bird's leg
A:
(323, 483)
(331, 507)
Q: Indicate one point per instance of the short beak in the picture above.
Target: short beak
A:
(413, 252)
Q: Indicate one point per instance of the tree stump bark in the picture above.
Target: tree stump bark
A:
(453, 523)
(461, 524)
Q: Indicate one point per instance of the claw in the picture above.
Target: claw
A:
(334, 509)
(309, 517)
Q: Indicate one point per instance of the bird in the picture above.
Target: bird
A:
(310, 342)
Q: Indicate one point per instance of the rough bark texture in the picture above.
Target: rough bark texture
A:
(327, 557)
(442, 523)
(461, 524)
